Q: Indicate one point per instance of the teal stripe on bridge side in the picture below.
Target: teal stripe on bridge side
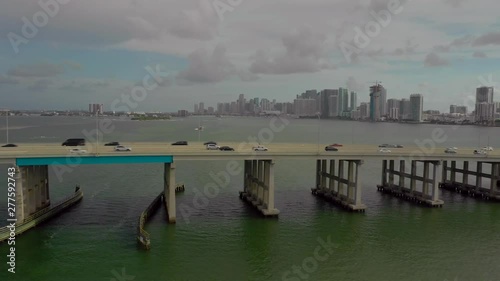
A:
(92, 160)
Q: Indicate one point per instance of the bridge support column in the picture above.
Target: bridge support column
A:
(425, 183)
(384, 172)
(494, 179)
(259, 179)
(32, 188)
(323, 178)
(169, 191)
(479, 178)
(402, 172)
(391, 173)
(413, 180)
(444, 172)
(348, 197)
(454, 171)
(331, 181)
(21, 194)
(435, 183)
(465, 176)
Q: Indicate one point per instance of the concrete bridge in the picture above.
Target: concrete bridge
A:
(337, 172)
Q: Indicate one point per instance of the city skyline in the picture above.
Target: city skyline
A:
(74, 59)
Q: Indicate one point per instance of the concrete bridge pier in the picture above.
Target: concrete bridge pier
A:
(429, 193)
(169, 191)
(258, 187)
(32, 190)
(337, 188)
(477, 190)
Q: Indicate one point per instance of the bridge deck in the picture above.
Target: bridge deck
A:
(197, 151)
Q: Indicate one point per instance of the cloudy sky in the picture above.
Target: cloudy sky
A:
(68, 53)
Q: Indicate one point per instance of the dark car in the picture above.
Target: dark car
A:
(180, 143)
(226, 148)
(210, 142)
(383, 145)
(113, 143)
(331, 148)
(9, 145)
(74, 142)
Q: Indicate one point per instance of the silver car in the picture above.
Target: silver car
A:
(212, 147)
(122, 148)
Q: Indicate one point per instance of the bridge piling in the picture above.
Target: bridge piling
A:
(342, 191)
(477, 190)
(426, 196)
(169, 191)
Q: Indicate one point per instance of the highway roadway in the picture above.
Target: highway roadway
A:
(244, 150)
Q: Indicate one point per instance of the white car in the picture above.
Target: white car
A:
(259, 148)
(452, 148)
(122, 148)
(78, 151)
(449, 150)
(480, 151)
(487, 148)
(384, 150)
(212, 147)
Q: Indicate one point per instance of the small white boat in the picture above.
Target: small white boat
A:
(200, 128)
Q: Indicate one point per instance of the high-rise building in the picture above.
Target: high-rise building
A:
(375, 100)
(196, 111)
(416, 107)
(201, 108)
(458, 109)
(333, 105)
(364, 109)
(241, 104)
(220, 108)
(265, 105)
(383, 102)
(96, 108)
(404, 109)
(325, 101)
(305, 107)
(393, 109)
(234, 108)
(485, 107)
(354, 101)
(343, 100)
(484, 94)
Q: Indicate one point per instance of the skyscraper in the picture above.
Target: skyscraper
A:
(354, 101)
(393, 109)
(416, 107)
(201, 108)
(364, 109)
(383, 102)
(241, 104)
(375, 100)
(333, 104)
(343, 100)
(325, 102)
(485, 108)
(404, 109)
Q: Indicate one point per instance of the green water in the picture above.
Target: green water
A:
(227, 240)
